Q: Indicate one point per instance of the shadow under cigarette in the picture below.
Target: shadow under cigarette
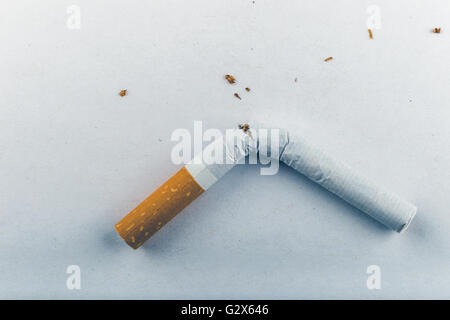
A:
(112, 238)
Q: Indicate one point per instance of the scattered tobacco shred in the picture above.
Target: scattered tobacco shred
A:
(230, 78)
(237, 96)
(370, 34)
(328, 59)
(123, 93)
(437, 30)
(246, 129)
(247, 89)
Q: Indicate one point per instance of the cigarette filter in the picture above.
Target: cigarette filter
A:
(204, 170)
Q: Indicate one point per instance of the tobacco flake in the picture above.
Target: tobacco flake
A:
(230, 78)
(246, 129)
(437, 30)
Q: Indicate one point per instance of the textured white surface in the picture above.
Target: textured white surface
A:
(75, 157)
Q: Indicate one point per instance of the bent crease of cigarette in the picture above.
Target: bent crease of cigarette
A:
(201, 173)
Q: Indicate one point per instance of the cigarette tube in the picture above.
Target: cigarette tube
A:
(204, 170)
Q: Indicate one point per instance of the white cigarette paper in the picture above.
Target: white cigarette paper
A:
(335, 176)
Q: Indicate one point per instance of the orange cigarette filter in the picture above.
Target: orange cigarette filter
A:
(159, 208)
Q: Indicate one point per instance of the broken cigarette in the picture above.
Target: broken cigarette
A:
(201, 173)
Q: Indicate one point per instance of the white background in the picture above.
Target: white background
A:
(75, 157)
